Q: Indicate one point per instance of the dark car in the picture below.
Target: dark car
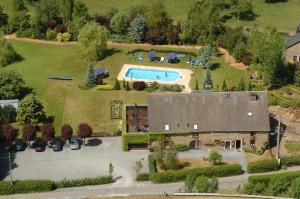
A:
(20, 145)
(39, 145)
(57, 145)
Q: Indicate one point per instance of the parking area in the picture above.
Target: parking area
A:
(89, 161)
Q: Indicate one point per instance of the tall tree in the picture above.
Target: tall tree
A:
(3, 19)
(66, 132)
(266, 45)
(48, 132)
(159, 23)
(30, 111)
(137, 28)
(93, 39)
(7, 53)
(242, 9)
(28, 132)
(90, 79)
(119, 23)
(188, 33)
(11, 85)
(9, 133)
(80, 10)
(18, 20)
(66, 10)
(84, 131)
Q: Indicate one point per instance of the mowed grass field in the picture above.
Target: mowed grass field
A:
(283, 15)
(68, 104)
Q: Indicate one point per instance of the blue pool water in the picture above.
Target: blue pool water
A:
(152, 74)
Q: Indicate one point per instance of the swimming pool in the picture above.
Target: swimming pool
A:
(152, 74)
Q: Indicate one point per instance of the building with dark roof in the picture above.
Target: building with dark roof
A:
(223, 120)
(292, 53)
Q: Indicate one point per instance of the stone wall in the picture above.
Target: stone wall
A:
(293, 51)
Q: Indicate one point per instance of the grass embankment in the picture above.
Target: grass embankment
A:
(283, 15)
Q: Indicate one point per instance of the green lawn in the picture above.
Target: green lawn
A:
(285, 16)
(68, 104)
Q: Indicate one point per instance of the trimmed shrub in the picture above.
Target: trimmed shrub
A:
(26, 186)
(51, 34)
(142, 177)
(84, 182)
(290, 161)
(151, 164)
(265, 179)
(279, 185)
(104, 87)
(173, 87)
(254, 189)
(141, 138)
(182, 147)
(180, 175)
(202, 184)
(139, 85)
(190, 182)
(63, 37)
(263, 166)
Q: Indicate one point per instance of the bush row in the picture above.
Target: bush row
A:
(180, 175)
(104, 87)
(290, 161)
(265, 179)
(182, 147)
(142, 177)
(172, 87)
(31, 186)
(263, 166)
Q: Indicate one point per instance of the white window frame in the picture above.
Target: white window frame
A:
(195, 126)
(167, 127)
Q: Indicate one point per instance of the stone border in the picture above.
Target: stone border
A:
(186, 75)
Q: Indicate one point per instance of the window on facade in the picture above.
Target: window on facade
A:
(167, 127)
(252, 142)
(195, 126)
(178, 125)
(188, 124)
(295, 58)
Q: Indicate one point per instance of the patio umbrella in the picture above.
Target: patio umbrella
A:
(171, 56)
(152, 54)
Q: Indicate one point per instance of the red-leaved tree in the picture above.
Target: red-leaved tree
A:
(9, 133)
(29, 132)
(48, 132)
(66, 132)
(84, 131)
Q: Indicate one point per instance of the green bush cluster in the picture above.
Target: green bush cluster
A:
(205, 185)
(213, 171)
(172, 87)
(63, 37)
(142, 177)
(31, 186)
(26, 186)
(290, 161)
(281, 184)
(182, 147)
(51, 34)
(151, 164)
(84, 182)
(263, 166)
(134, 138)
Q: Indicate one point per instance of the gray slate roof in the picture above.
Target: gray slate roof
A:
(292, 40)
(212, 112)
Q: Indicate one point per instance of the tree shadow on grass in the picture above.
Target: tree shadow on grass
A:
(112, 51)
(4, 161)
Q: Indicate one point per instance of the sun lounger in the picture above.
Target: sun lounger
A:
(162, 59)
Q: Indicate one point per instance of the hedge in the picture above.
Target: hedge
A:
(26, 186)
(182, 147)
(142, 177)
(104, 87)
(84, 182)
(265, 179)
(134, 138)
(263, 166)
(290, 161)
(31, 186)
(151, 164)
(213, 171)
(163, 51)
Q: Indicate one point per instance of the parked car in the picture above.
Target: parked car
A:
(20, 145)
(39, 145)
(57, 145)
(74, 144)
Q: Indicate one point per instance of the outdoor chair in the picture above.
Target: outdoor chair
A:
(162, 59)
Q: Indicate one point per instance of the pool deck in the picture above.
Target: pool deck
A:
(186, 75)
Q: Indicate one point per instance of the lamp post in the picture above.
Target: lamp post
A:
(278, 131)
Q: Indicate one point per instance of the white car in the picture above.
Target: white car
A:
(74, 144)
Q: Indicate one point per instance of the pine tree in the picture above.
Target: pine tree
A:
(224, 86)
(127, 86)
(241, 86)
(117, 85)
(250, 87)
(208, 83)
(196, 86)
(90, 80)
(124, 84)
